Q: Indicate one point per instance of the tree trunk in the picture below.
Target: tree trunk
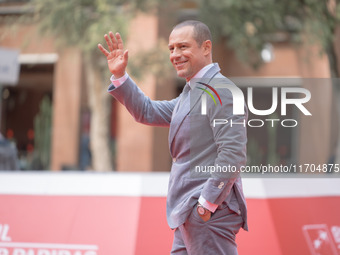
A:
(333, 63)
(99, 101)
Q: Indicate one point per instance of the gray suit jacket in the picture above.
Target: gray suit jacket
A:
(193, 141)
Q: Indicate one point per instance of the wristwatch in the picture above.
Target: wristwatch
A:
(204, 213)
(201, 210)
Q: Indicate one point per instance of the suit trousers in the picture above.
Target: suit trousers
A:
(215, 237)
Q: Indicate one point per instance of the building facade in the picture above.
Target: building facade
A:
(58, 74)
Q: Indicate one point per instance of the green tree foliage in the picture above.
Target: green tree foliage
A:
(42, 138)
(81, 23)
(248, 25)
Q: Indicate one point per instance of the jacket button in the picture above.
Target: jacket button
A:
(174, 160)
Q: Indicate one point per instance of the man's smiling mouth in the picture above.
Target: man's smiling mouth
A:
(180, 63)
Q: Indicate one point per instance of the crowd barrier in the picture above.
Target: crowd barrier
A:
(76, 213)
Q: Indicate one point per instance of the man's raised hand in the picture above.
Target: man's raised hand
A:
(117, 58)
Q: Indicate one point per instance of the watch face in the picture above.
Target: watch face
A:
(200, 210)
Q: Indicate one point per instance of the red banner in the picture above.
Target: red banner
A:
(45, 221)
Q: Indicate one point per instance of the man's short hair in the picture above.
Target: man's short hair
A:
(201, 30)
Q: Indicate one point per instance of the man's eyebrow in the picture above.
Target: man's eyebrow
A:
(178, 43)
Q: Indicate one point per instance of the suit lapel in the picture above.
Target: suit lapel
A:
(180, 114)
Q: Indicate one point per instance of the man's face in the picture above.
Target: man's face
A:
(185, 54)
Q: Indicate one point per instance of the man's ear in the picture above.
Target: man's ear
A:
(207, 45)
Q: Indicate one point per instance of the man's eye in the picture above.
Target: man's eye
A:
(183, 46)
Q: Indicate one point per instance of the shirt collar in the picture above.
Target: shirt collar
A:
(201, 73)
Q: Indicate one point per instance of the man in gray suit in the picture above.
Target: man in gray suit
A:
(206, 208)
